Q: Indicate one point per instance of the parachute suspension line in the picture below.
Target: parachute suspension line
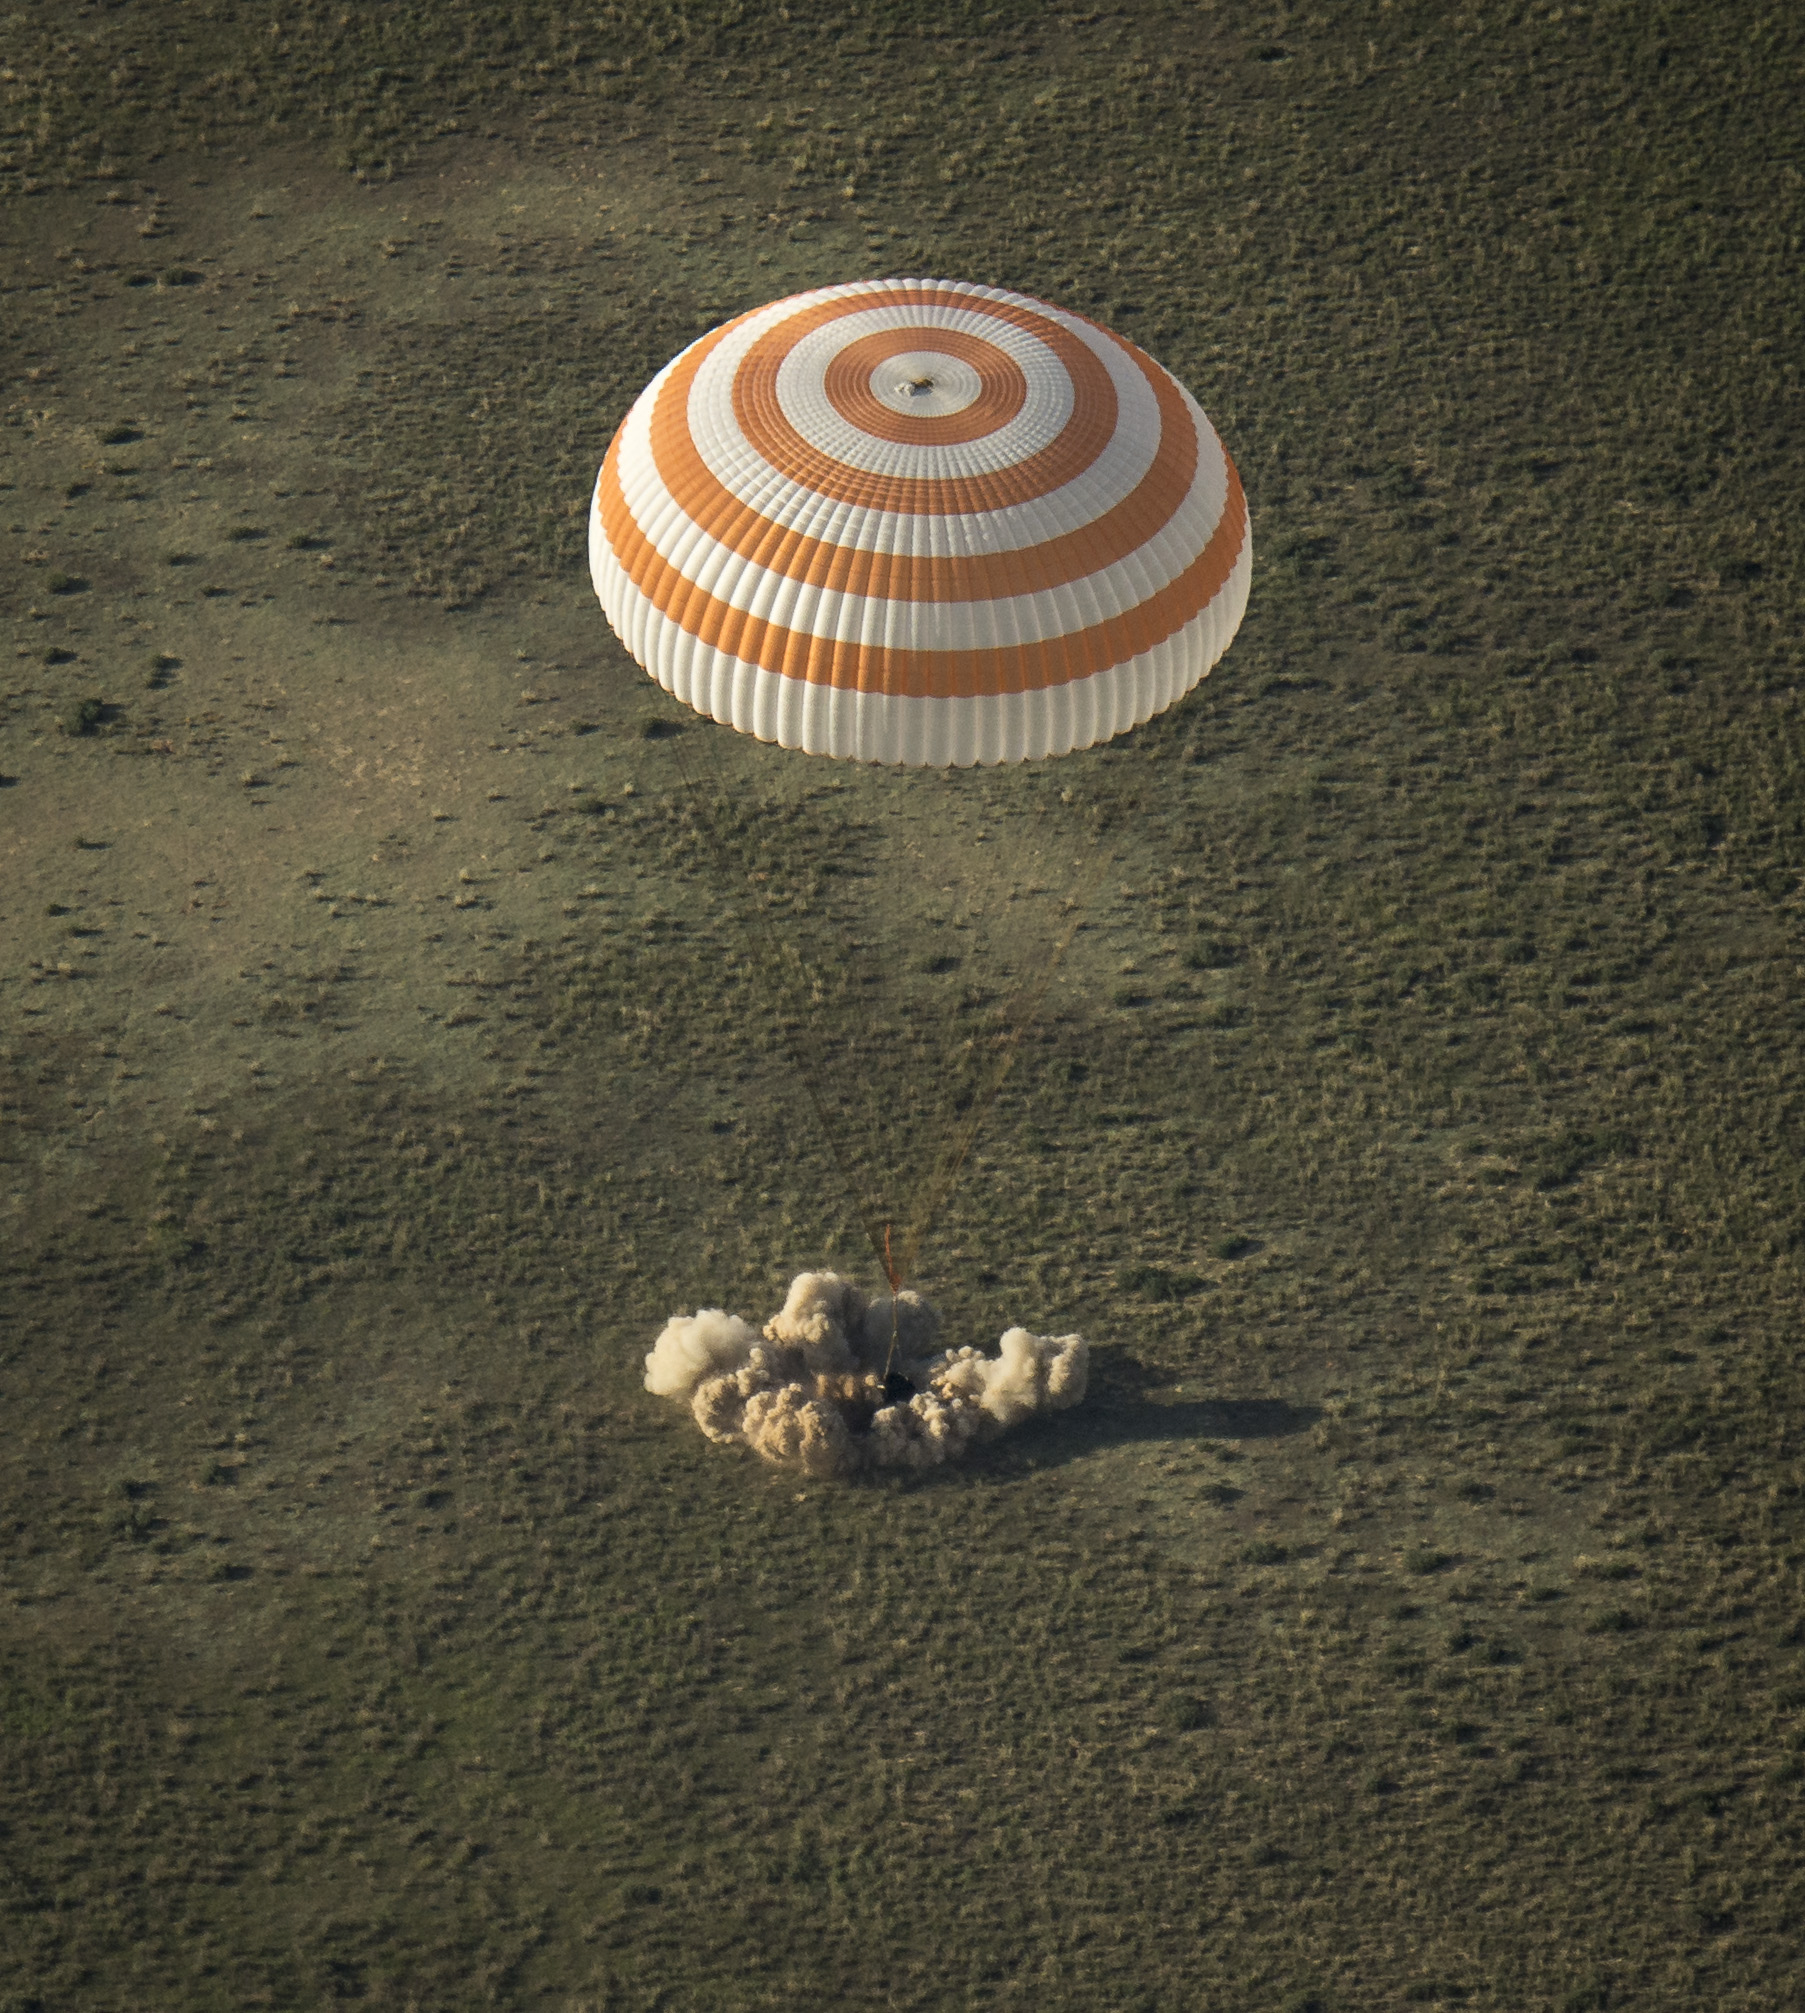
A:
(821, 1065)
(895, 1279)
(1018, 1016)
(975, 911)
(792, 1030)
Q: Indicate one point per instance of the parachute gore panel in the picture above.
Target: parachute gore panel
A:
(923, 522)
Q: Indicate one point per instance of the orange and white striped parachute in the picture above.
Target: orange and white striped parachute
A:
(921, 522)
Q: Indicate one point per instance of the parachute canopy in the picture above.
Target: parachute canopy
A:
(922, 522)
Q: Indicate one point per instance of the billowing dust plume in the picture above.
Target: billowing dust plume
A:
(809, 1392)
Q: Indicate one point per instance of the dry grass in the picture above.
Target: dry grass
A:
(1413, 1617)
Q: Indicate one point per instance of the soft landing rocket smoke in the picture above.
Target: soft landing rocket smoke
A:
(809, 1393)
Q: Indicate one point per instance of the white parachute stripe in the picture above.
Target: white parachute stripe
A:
(935, 733)
(844, 524)
(1038, 617)
(802, 395)
(789, 506)
(1112, 476)
(741, 470)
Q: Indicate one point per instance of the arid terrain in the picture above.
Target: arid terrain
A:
(1412, 1613)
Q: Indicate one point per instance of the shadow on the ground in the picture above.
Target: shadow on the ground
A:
(1124, 1407)
(1122, 1410)
(1118, 1421)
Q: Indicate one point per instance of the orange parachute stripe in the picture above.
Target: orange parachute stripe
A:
(940, 674)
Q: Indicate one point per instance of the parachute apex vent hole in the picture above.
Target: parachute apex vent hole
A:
(915, 385)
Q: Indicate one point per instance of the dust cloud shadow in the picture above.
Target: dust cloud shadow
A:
(1121, 1410)
(1144, 1421)
(1118, 1411)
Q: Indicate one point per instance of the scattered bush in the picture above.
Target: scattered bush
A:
(83, 717)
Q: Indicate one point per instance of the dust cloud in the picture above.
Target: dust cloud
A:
(835, 1383)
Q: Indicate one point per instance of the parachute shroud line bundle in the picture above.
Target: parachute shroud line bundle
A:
(920, 522)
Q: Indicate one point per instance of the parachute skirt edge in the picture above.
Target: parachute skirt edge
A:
(918, 732)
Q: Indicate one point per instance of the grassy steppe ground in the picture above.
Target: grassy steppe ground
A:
(1414, 1613)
